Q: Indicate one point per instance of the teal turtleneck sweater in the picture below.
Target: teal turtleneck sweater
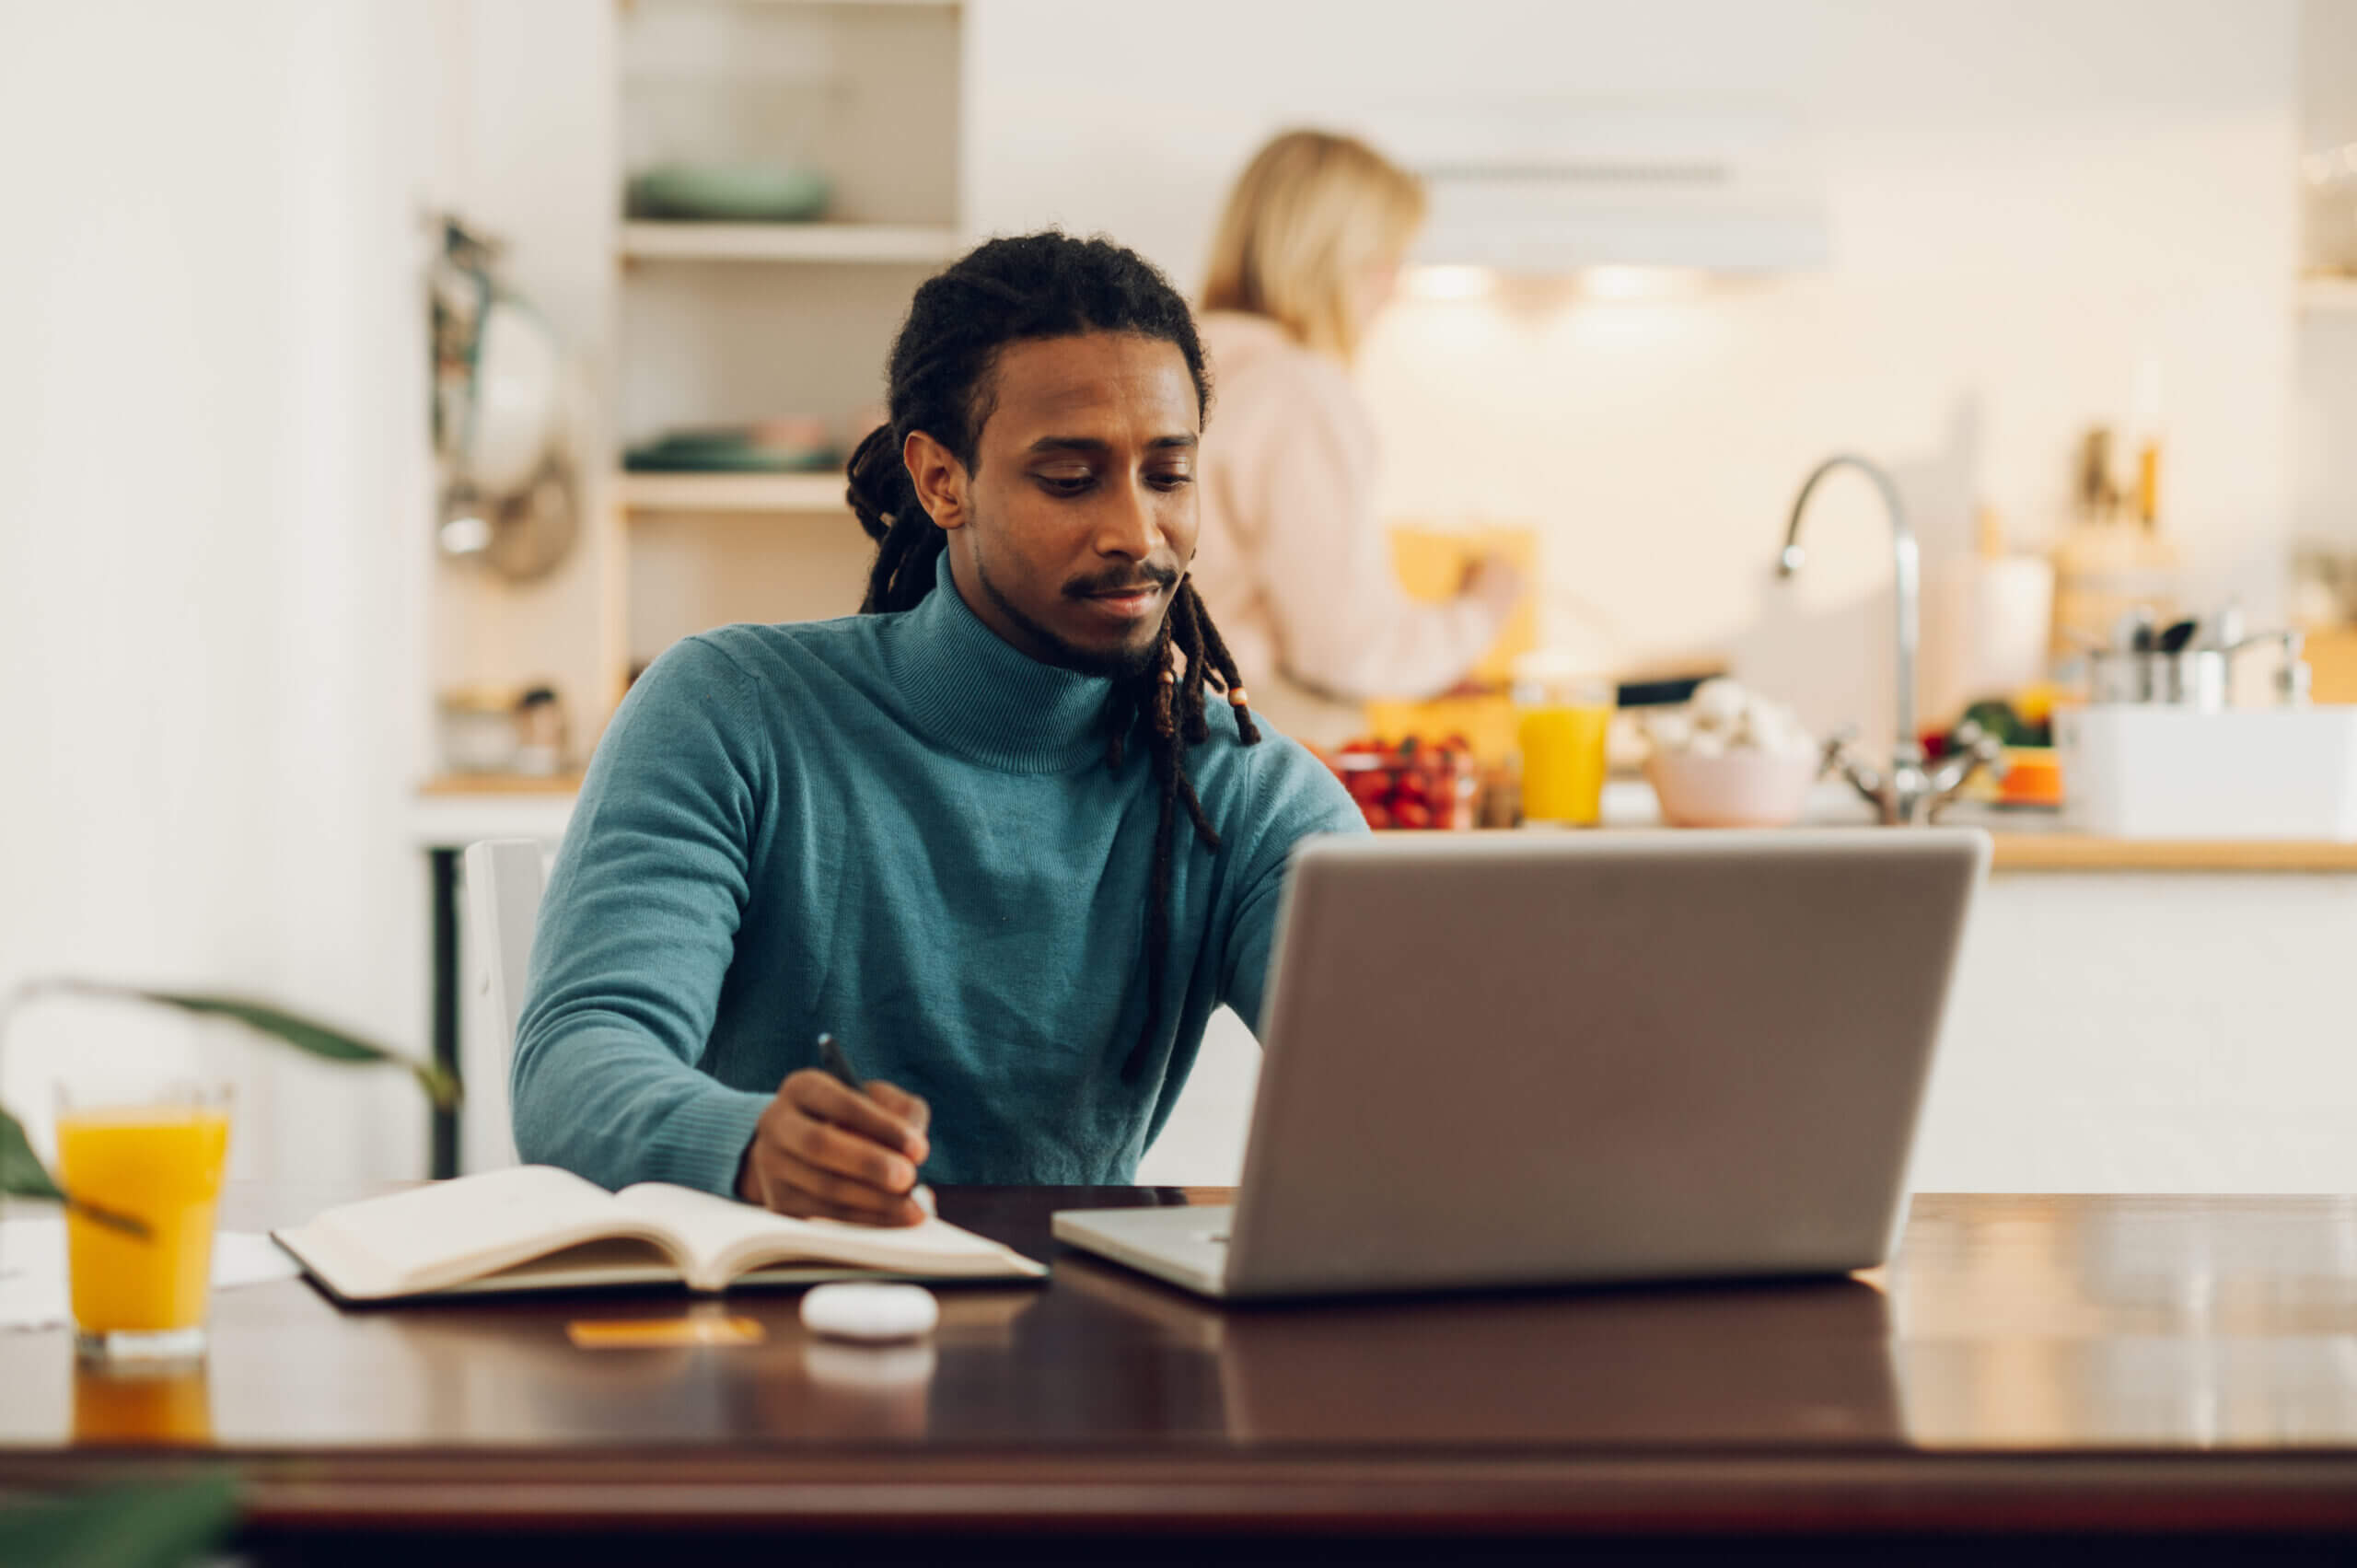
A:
(899, 828)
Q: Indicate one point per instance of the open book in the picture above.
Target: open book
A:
(536, 1227)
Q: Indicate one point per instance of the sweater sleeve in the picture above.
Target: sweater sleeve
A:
(1296, 797)
(1343, 624)
(635, 933)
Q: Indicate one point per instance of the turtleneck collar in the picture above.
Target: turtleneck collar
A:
(970, 692)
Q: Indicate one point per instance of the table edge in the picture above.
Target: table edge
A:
(1593, 1491)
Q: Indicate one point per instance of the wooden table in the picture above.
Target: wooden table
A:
(2166, 1374)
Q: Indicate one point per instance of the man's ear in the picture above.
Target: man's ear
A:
(939, 478)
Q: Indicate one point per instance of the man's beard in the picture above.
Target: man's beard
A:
(1121, 664)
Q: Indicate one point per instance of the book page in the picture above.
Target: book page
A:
(447, 1231)
(725, 1238)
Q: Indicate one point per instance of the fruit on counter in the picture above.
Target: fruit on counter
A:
(2033, 776)
(1419, 783)
(2023, 719)
(2008, 724)
(2035, 703)
(2028, 775)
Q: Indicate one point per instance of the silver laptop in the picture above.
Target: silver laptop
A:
(1516, 1059)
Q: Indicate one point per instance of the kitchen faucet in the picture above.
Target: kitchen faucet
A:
(1909, 791)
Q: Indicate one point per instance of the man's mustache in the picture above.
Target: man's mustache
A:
(1125, 582)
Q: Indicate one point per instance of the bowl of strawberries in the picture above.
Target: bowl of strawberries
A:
(1412, 784)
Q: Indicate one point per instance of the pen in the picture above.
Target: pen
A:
(831, 1058)
(838, 1065)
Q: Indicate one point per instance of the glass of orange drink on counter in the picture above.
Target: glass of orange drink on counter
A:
(144, 1168)
(1560, 725)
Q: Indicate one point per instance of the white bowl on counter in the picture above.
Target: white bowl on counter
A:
(1741, 787)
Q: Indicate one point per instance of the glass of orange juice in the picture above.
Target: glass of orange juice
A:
(153, 1158)
(1560, 725)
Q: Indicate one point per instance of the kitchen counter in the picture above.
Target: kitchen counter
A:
(2039, 841)
(2062, 851)
(454, 810)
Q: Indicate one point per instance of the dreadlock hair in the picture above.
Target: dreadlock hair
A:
(1020, 290)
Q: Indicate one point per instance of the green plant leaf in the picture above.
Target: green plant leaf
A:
(167, 1526)
(21, 1173)
(306, 1035)
(23, 1176)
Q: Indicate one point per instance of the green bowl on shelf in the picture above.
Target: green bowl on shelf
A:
(727, 450)
(728, 192)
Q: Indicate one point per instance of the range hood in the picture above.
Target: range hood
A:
(1560, 187)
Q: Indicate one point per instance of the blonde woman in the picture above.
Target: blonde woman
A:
(1293, 561)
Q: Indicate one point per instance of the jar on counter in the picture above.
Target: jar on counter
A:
(542, 736)
(478, 729)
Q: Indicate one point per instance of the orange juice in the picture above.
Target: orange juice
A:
(161, 1166)
(1563, 762)
(138, 1405)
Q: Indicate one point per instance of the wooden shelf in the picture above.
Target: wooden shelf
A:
(807, 493)
(2328, 294)
(444, 784)
(907, 244)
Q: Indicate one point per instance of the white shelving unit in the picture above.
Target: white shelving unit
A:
(723, 324)
(789, 242)
(803, 493)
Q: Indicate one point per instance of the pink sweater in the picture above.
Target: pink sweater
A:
(1294, 563)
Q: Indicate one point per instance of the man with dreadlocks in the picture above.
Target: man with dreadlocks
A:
(1012, 831)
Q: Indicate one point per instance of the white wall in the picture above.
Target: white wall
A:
(2027, 200)
(212, 471)
(2325, 458)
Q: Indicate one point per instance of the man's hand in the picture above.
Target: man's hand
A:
(822, 1151)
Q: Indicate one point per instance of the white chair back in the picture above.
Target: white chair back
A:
(503, 881)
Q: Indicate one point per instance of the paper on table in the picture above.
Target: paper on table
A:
(32, 1268)
(249, 1258)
